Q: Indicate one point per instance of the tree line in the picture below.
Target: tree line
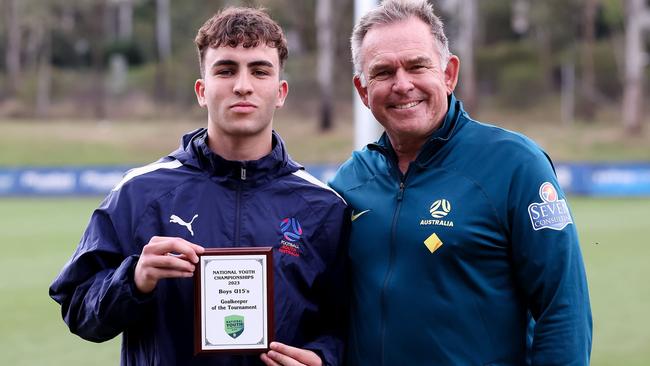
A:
(112, 55)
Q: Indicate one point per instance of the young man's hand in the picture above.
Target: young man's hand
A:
(165, 257)
(283, 355)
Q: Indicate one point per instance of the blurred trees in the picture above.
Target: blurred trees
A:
(116, 58)
(325, 65)
(163, 48)
(12, 53)
(467, 41)
(529, 50)
(637, 19)
(587, 108)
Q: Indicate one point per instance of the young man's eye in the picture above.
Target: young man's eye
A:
(260, 72)
(224, 72)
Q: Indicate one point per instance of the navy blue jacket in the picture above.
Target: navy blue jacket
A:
(450, 260)
(232, 204)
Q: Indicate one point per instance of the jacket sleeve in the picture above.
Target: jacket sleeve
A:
(331, 289)
(95, 288)
(548, 266)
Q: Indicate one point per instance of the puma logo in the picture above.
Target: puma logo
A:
(177, 220)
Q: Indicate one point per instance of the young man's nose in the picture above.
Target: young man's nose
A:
(243, 84)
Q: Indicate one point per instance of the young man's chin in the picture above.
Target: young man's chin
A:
(244, 130)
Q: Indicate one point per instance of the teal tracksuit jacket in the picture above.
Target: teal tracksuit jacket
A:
(469, 258)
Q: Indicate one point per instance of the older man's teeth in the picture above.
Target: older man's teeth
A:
(408, 105)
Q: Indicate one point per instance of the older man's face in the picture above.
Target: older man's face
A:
(407, 87)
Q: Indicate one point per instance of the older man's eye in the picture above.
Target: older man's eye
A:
(381, 75)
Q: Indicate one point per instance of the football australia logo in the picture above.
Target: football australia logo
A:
(439, 209)
(291, 234)
(552, 212)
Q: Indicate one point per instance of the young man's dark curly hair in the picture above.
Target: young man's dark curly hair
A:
(236, 26)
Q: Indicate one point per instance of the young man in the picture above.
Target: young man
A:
(230, 185)
(460, 232)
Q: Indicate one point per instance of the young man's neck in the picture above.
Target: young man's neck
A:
(240, 148)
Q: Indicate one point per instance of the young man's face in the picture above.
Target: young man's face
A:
(241, 89)
(407, 86)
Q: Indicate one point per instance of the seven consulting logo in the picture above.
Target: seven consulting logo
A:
(291, 232)
(551, 213)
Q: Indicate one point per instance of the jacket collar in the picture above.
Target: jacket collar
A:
(194, 151)
(434, 143)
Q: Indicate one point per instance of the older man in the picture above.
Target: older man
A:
(463, 249)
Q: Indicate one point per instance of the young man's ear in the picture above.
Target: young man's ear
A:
(199, 90)
(283, 90)
(362, 90)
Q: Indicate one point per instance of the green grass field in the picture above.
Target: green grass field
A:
(39, 235)
(136, 142)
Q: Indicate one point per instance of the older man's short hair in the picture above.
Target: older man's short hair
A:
(392, 11)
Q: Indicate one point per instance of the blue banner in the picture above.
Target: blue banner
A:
(53, 181)
(587, 179)
(605, 179)
(78, 181)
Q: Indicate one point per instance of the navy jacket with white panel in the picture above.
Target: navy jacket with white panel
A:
(226, 204)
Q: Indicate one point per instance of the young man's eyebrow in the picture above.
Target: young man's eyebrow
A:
(224, 63)
(227, 62)
(260, 63)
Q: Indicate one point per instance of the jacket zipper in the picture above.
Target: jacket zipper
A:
(391, 260)
(242, 175)
(393, 241)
